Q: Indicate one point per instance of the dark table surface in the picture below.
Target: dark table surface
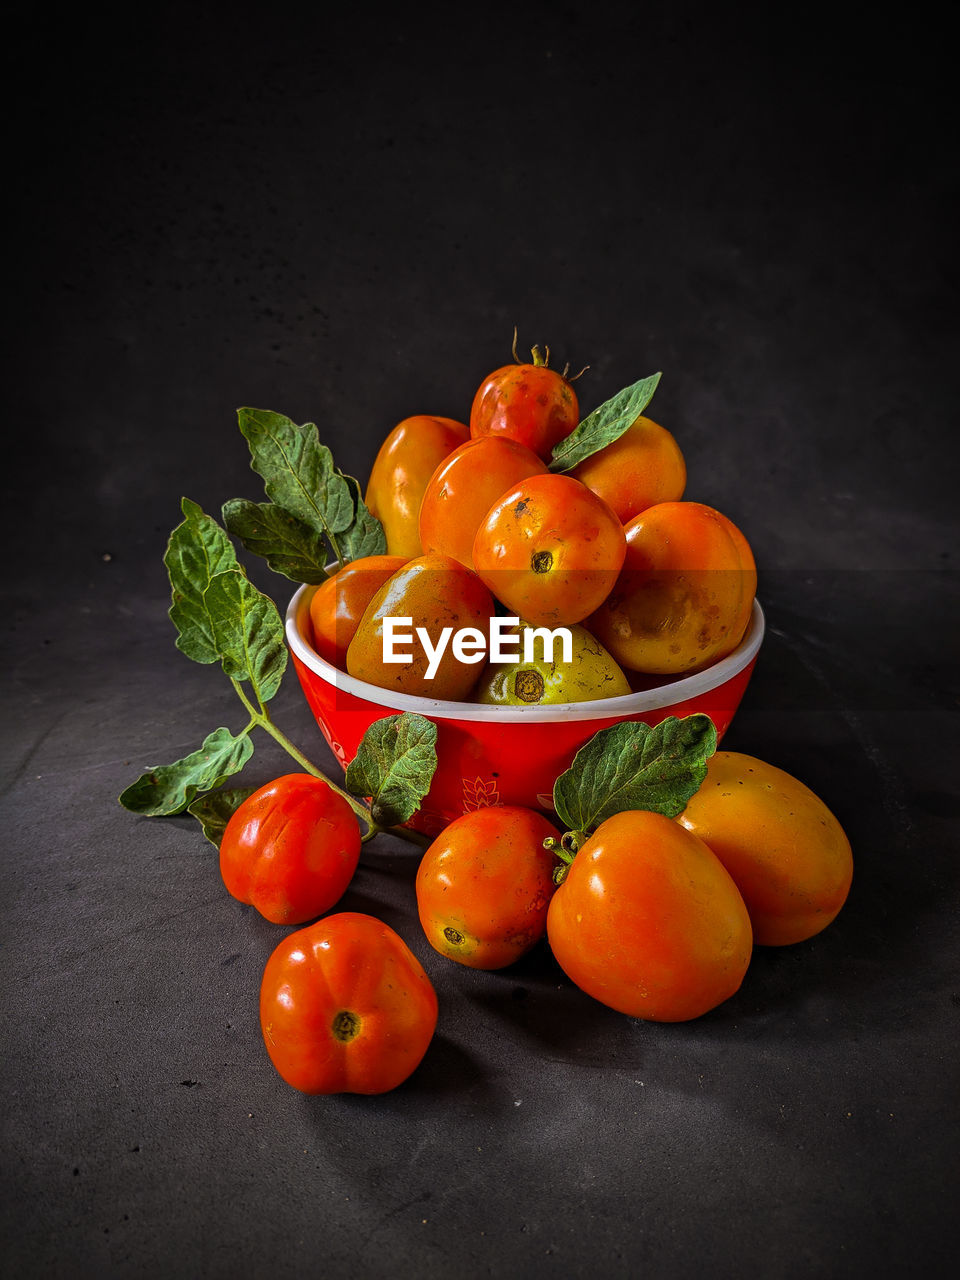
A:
(343, 221)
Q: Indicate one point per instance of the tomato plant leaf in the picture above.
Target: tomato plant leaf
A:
(394, 766)
(633, 766)
(198, 549)
(289, 546)
(607, 423)
(215, 809)
(169, 788)
(248, 632)
(365, 537)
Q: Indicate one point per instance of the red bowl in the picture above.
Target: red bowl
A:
(497, 755)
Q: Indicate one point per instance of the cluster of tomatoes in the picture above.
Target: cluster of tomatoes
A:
(477, 524)
(653, 916)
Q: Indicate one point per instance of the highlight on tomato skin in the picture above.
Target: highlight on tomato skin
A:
(346, 1007)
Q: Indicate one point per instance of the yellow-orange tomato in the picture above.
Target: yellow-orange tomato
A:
(684, 597)
(650, 924)
(484, 885)
(644, 467)
(550, 550)
(406, 461)
(465, 486)
(337, 605)
(787, 853)
(437, 593)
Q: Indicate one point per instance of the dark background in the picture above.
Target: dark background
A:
(343, 218)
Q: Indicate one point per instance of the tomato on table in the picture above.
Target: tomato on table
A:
(484, 885)
(405, 462)
(337, 605)
(550, 550)
(527, 402)
(346, 1007)
(290, 849)
(649, 922)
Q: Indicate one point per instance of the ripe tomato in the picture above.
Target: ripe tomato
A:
(550, 550)
(649, 924)
(484, 885)
(643, 467)
(290, 849)
(684, 598)
(407, 459)
(787, 853)
(437, 593)
(346, 1007)
(530, 403)
(465, 486)
(337, 605)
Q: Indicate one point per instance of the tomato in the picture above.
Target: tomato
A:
(484, 885)
(346, 1007)
(337, 605)
(438, 594)
(550, 550)
(465, 486)
(684, 598)
(591, 673)
(405, 462)
(290, 849)
(648, 923)
(530, 403)
(643, 467)
(787, 853)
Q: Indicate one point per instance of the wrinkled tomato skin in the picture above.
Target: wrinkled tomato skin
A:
(290, 849)
(337, 605)
(550, 550)
(685, 595)
(465, 486)
(404, 464)
(346, 1007)
(642, 468)
(650, 925)
(786, 851)
(484, 885)
(529, 403)
(436, 592)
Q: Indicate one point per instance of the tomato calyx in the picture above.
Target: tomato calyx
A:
(541, 360)
(566, 849)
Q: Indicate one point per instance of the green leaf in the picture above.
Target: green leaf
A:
(197, 551)
(215, 809)
(633, 766)
(287, 544)
(607, 423)
(247, 631)
(169, 788)
(365, 537)
(394, 766)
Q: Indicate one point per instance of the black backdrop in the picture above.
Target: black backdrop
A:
(343, 218)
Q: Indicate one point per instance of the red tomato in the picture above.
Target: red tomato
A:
(346, 1007)
(650, 924)
(291, 849)
(550, 550)
(484, 885)
(337, 605)
(530, 403)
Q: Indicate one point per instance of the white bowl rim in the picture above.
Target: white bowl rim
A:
(682, 690)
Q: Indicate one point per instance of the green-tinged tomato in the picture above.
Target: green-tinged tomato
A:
(591, 673)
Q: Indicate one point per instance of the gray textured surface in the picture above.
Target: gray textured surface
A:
(344, 225)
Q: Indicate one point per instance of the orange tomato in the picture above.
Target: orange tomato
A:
(406, 461)
(484, 885)
(436, 592)
(530, 403)
(684, 597)
(787, 853)
(550, 550)
(648, 923)
(465, 486)
(337, 605)
(643, 467)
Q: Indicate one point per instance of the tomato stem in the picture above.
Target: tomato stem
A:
(566, 849)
